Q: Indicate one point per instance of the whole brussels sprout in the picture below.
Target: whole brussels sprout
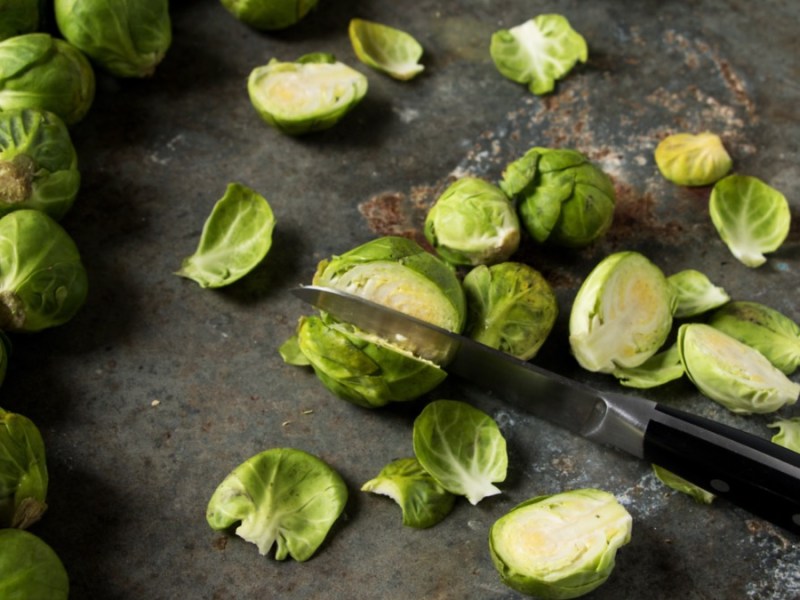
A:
(127, 39)
(269, 14)
(23, 471)
(363, 368)
(19, 17)
(38, 163)
(473, 223)
(40, 71)
(563, 198)
(510, 307)
(30, 569)
(42, 280)
(692, 160)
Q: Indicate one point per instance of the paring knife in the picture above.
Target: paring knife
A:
(750, 471)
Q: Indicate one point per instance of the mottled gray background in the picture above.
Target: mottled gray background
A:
(158, 388)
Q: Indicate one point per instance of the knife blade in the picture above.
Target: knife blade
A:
(752, 472)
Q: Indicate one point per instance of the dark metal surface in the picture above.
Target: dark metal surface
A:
(159, 388)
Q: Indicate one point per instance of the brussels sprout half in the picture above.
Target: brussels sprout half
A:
(127, 39)
(42, 280)
(560, 546)
(622, 313)
(563, 198)
(511, 308)
(23, 471)
(283, 497)
(473, 223)
(386, 49)
(30, 569)
(538, 52)
(692, 160)
(40, 71)
(731, 373)
(38, 163)
(268, 15)
(310, 94)
(19, 17)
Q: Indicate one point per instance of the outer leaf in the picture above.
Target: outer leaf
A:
(461, 447)
(281, 496)
(679, 484)
(659, 369)
(695, 294)
(538, 52)
(386, 49)
(236, 237)
(788, 434)
(751, 217)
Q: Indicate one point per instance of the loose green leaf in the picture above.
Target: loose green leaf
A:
(292, 354)
(695, 294)
(679, 484)
(788, 434)
(236, 237)
(687, 159)
(386, 49)
(659, 369)
(283, 497)
(538, 52)
(422, 500)
(462, 448)
(751, 217)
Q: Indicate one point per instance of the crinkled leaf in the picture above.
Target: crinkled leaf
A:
(695, 294)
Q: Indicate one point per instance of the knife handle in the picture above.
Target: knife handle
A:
(747, 470)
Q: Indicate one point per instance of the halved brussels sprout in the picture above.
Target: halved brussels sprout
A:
(42, 280)
(19, 17)
(770, 332)
(268, 15)
(731, 373)
(692, 160)
(310, 94)
(361, 367)
(563, 198)
(788, 434)
(751, 217)
(473, 223)
(386, 49)
(562, 545)
(661, 368)
(538, 52)
(423, 501)
(40, 71)
(38, 163)
(127, 39)
(680, 484)
(23, 471)
(236, 237)
(283, 497)
(695, 294)
(462, 448)
(622, 313)
(510, 307)
(30, 569)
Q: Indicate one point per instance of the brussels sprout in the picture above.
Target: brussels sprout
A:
(386, 49)
(42, 280)
(462, 448)
(751, 217)
(236, 237)
(770, 332)
(23, 471)
(38, 163)
(679, 484)
(268, 15)
(19, 17)
(281, 496)
(622, 313)
(562, 545)
(731, 373)
(310, 94)
(695, 294)
(659, 369)
(510, 307)
(563, 198)
(473, 223)
(687, 159)
(538, 52)
(422, 500)
(40, 71)
(127, 39)
(788, 434)
(30, 569)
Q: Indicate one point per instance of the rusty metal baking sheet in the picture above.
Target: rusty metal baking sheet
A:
(158, 388)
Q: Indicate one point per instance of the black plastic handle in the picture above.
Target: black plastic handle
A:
(749, 471)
